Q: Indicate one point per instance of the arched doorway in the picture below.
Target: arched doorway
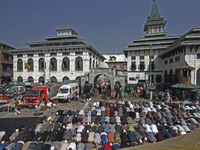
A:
(20, 79)
(101, 82)
(53, 79)
(30, 79)
(41, 80)
(65, 79)
(198, 77)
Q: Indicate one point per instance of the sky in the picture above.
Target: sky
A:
(107, 25)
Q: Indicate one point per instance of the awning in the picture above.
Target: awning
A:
(185, 86)
(6, 74)
(187, 67)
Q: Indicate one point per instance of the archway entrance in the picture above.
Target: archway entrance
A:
(102, 83)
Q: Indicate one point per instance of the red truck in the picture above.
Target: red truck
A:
(41, 93)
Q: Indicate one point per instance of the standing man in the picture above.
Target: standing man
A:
(151, 95)
(16, 106)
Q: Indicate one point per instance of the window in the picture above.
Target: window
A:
(79, 53)
(171, 60)
(153, 66)
(151, 57)
(133, 66)
(53, 54)
(177, 59)
(141, 66)
(65, 64)
(79, 64)
(6, 56)
(133, 57)
(41, 64)
(4, 68)
(141, 57)
(132, 79)
(19, 55)
(53, 64)
(41, 54)
(93, 63)
(65, 53)
(30, 55)
(166, 61)
(19, 65)
(90, 63)
(30, 64)
(198, 56)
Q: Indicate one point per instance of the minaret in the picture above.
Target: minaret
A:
(155, 23)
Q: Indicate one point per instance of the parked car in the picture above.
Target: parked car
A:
(14, 91)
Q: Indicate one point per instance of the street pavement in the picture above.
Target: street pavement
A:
(77, 105)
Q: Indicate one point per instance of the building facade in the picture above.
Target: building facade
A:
(181, 60)
(117, 61)
(143, 63)
(59, 58)
(6, 63)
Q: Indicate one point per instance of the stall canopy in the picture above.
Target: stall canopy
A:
(185, 86)
(6, 74)
(189, 141)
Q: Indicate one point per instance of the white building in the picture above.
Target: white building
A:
(144, 51)
(59, 58)
(117, 61)
(181, 60)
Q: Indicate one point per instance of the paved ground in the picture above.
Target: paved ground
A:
(26, 112)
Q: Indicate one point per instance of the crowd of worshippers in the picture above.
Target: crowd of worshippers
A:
(106, 125)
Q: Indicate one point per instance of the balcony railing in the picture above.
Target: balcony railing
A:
(65, 69)
(184, 80)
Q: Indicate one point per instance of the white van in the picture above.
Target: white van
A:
(67, 92)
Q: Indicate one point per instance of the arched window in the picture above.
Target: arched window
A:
(79, 64)
(30, 79)
(41, 79)
(30, 64)
(19, 79)
(19, 65)
(90, 63)
(53, 64)
(53, 79)
(65, 79)
(93, 63)
(41, 64)
(65, 64)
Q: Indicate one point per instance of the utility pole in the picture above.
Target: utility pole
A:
(150, 65)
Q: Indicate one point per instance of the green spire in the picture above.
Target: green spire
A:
(154, 11)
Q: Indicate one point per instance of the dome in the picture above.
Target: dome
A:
(119, 73)
(103, 65)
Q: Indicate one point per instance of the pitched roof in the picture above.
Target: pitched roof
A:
(154, 11)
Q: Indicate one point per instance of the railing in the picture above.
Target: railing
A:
(184, 80)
